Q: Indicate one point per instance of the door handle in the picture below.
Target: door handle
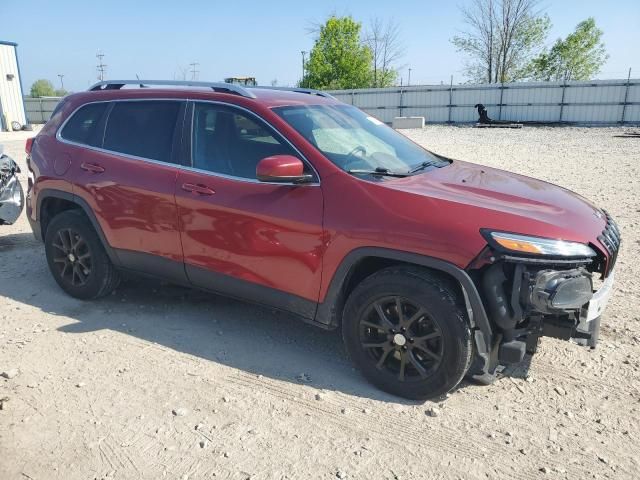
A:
(197, 188)
(92, 167)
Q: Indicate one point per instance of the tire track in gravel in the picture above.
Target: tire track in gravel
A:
(443, 438)
(550, 371)
(446, 438)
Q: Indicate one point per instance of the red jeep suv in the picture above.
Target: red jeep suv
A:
(433, 268)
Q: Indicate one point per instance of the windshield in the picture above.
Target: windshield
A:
(357, 142)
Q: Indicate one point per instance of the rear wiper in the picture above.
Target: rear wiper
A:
(422, 166)
(378, 171)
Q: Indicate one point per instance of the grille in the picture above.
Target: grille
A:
(610, 238)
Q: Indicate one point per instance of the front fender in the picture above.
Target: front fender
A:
(328, 312)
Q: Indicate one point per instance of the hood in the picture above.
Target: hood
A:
(477, 197)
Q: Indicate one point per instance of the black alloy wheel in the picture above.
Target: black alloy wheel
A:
(72, 257)
(406, 329)
(401, 338)
(77, 258)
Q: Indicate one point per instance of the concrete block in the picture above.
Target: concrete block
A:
(408, 122)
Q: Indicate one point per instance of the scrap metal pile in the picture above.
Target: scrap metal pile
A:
(484, 120)
(11, 193)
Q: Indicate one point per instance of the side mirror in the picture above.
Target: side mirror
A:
(283, 169)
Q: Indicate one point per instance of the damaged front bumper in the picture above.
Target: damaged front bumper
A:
(527, 297)
(11, 193)
(587, 331)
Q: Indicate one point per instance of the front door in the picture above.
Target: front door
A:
(241, 237)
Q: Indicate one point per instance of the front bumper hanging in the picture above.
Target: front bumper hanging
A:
(587, 331)
(527, 300)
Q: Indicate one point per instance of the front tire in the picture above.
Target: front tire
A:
(76, 257)
(406, 330)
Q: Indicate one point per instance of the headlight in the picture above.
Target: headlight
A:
(538, 245)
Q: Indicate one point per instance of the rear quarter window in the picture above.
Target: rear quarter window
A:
(82, 127)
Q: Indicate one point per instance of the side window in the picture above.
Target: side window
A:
(229, 142)
(144, 129)
(82, 127)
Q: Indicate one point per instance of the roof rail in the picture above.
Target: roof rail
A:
(309, 91)
(216, 86)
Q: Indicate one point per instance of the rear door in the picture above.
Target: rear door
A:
(242, 237)
(128, 181)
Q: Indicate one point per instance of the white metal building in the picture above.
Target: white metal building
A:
(11, 93)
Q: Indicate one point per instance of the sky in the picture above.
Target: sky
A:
(158, 39)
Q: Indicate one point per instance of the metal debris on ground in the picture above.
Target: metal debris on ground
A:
(485, 122)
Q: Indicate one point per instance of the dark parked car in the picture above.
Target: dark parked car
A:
(432, 268)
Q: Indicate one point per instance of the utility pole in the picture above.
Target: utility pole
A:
(626, 96)
(194, 72)
(101, 66)
(303, 67)
(61, 82)
(409, 79)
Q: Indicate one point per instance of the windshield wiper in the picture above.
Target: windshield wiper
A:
(378, 171)
(422, 166)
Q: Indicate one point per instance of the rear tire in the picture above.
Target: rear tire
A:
(421, 353)
(76, 257)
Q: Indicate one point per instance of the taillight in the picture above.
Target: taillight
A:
(29, 145)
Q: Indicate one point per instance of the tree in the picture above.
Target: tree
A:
(503, 37)
(338, 60)
(578, 57)
(42, 88)
(383, 40)
(180, 73)
(61, 92)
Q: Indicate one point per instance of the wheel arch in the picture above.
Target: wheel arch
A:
(362, 262)
(52, 202)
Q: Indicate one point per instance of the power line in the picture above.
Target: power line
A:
(101, 66)
(303, 67)
(194, 72)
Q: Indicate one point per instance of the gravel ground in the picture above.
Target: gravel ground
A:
(157, 381)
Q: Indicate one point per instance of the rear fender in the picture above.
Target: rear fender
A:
(84, 206)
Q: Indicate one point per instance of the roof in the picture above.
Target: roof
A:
(11, 44)
(265, 96)
(277, 98)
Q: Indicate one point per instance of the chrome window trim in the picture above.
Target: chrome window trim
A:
(61, 139)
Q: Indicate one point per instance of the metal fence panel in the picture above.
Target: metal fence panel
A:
(39, 110)
(595, 94)
(433, 115)
(634, 94)
(593, 102)
(550, 94)
(465, 96)
(598, 101)
(530, 113)
(592, 113)
(632, 114)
